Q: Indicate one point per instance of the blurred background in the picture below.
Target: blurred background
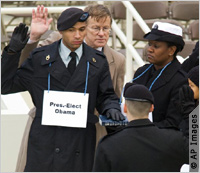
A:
(131, 20)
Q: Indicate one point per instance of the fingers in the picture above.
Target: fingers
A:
(108, 115)
(40, 12)
(25, 37)
(49, 21)
(33, 14)
(121, 116)
(22, 32)
(45, 13)
(117, 116)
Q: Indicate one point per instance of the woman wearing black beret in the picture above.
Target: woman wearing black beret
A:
(163, 76)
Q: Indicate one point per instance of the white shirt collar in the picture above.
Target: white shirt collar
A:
(66, 51)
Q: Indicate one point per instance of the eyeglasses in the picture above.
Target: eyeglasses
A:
(97, 29)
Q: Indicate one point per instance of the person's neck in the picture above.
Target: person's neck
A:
(157, 67)
(131, 117)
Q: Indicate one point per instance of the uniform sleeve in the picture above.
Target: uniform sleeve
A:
(14, 79)
(26, 52)
(106, 97)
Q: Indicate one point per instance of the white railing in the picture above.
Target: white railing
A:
(131, 13)
(127, 40)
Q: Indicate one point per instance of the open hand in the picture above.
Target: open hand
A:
(40, 23)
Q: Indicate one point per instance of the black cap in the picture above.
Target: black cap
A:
(137, 92)
(193, 75)
(166, 32)
(70, 17)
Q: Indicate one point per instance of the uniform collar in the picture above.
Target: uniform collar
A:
(140, 122)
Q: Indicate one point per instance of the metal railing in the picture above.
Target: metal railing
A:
(131, 52)
(131, 12)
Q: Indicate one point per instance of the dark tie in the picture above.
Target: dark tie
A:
(72, 63)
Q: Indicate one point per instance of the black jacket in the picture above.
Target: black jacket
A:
(52, 148)
(165, 91)
(142, 147)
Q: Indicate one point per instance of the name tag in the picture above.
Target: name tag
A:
(67, 109)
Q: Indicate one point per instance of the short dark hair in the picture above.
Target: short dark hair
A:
(138, 108)
(98, 12)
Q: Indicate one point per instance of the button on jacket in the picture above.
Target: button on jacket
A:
(116, 63)
(51, 148)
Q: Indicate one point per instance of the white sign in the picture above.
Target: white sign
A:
(67, 109)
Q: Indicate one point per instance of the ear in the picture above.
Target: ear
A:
(151, 108)
(125, 108)
(172, 50)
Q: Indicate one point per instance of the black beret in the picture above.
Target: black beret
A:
(193, 75)
(137, 92)
(166, 32)
(70, 17)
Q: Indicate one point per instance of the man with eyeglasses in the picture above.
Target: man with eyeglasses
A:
(97, 35)
(67, 80)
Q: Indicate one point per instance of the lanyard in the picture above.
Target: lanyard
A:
(86, 79)
(143, 74)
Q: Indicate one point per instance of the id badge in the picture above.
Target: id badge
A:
(68, 109)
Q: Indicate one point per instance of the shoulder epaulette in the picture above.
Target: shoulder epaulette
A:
(39, 49)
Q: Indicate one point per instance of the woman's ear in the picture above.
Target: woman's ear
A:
(125, 108)
(172, 50)
(151, 108)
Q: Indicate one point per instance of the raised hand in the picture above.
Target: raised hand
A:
(186, 99)
(19, 38)
(40, 23)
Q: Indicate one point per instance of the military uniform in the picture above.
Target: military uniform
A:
(142, 147)
(52, 148)
(165, 91)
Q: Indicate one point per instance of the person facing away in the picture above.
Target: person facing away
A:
(68, 66)
(163, 76)
(97, 36)
(141, 146)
